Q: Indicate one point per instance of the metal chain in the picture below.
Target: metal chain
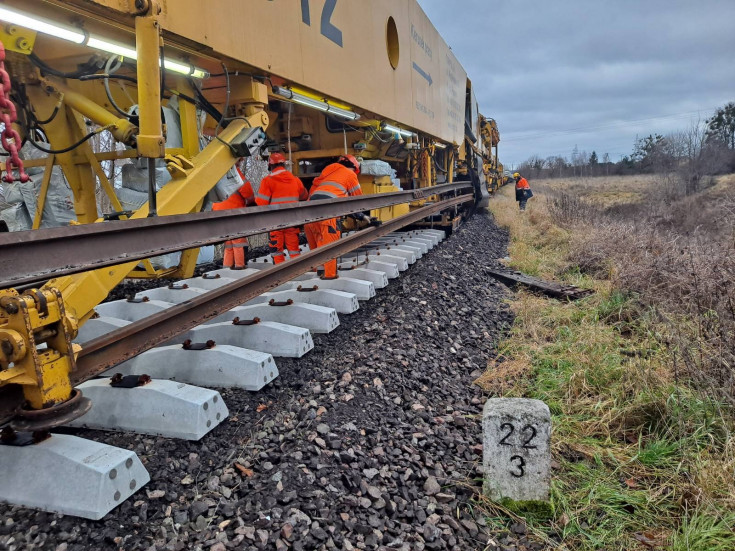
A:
(9, 136)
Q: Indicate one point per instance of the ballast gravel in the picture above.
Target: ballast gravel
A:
(371, 441)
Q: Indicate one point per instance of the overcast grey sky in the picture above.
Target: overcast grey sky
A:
(585, 72)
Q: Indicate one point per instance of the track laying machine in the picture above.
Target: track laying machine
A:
(128, 116)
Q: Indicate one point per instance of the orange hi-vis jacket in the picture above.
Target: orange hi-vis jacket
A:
(243, 197)
(335, 180)
(234, 252)
(522, 184)
(280, 187)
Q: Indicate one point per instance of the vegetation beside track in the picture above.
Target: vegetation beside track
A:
(642, 441)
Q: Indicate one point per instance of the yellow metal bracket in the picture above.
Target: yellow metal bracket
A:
(17, 39)
(27, 322)
(41, 203)
(148, 44)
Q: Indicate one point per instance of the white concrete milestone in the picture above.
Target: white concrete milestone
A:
(70, 475)
(223, 366)
(163, 408)
(516, 449)
(315, 318)
(276, 339)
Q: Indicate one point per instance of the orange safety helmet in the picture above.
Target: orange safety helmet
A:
(276, 159)
(352, 160)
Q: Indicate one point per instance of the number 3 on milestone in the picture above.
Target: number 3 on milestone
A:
(516, 451)
(529, 432)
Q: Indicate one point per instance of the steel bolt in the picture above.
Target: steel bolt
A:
(7, 435)
(7, 347)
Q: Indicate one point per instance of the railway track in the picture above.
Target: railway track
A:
(150, 364)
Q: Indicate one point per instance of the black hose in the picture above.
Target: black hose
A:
(205, 104)
(48, 120)
(91, 66)
(227, 100)
(109, 70)
(60, 151)
(163, 71)
(100, 76)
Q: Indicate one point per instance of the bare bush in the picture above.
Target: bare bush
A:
(569, 208)
(680, 262)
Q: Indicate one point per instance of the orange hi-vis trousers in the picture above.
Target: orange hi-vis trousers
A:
(287, 239)
(323, 233)
(235, 253)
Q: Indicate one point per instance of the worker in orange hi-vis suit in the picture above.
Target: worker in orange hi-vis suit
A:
(236, 250)
(336, 180)
(523, 191)
(281, 187)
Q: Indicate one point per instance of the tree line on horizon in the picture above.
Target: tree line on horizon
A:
(705, 148)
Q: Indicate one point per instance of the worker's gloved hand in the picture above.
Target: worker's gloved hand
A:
(360, 216)
(374, 222)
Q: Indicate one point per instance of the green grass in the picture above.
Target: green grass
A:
(705, 531)
(642, 460)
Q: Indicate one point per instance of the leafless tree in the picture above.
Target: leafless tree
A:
(687, 148)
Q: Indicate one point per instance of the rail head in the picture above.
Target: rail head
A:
(38, 255)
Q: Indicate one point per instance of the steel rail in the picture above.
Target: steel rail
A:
(38, 255)
(122, 344)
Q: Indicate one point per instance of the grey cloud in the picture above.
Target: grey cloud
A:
(557, 66)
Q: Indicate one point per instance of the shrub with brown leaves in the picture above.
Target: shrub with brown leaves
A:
(679, 259)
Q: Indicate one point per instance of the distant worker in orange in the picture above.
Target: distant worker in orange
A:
(336, 180)
(281, 187)
(236, 250)
(523, 191)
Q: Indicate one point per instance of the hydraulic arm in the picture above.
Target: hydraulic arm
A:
(37, 327)
(314, 80)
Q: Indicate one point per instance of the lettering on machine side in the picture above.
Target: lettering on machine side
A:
(419, 39)
(327, 28)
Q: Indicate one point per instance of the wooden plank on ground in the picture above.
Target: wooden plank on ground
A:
(549, 288)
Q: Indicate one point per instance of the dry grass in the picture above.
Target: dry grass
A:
(680, 263)
(505, 378)
(605, 191)
(644, 448)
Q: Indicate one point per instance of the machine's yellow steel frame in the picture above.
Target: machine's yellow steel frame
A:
(27, 321)
(51, 315)
(382, 59)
